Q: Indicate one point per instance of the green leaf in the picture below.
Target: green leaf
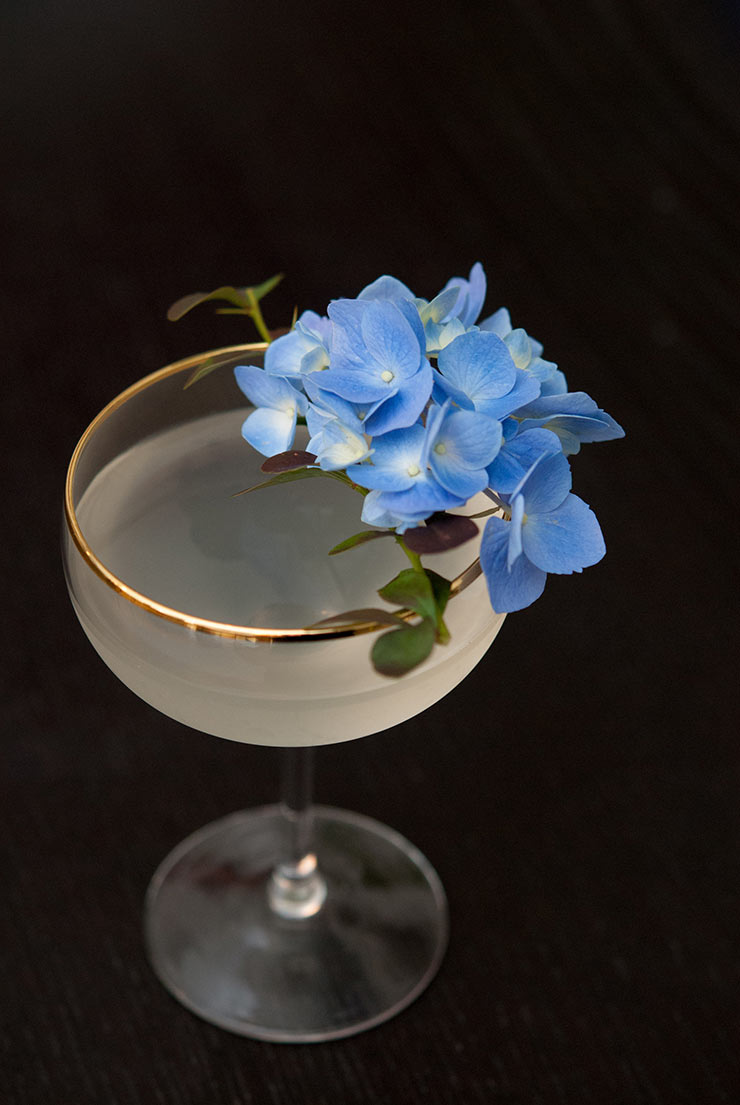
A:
(401, 650)
(411, 588)
(259, 291)
(440, 589)
(363, 614)
(235, 296)
(289, 477)
(485, 513)
(205, 370)
(360, 539)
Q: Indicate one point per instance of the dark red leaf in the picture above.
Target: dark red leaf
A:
(288, 462)
(442, 532)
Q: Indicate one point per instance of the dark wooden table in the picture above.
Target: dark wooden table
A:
(579, 793)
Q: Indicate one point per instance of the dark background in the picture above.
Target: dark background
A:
(579, 792)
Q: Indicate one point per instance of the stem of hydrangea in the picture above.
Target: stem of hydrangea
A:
(415, 559)
(255, 312)
(443, 633)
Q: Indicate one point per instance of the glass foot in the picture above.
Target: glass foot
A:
(373, 946)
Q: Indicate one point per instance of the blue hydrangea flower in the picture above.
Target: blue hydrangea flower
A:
(478, 373)
(303, 350)
(400, 472)
(573, 416)
(378, 358)
(517, 455)
(270, 429)
(426, 468)
(550, 530)
(460, 446)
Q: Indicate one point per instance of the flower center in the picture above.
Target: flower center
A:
(386, 376)
(413, 470)
(440, 448)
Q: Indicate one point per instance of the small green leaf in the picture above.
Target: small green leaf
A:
(205, 370)
(401, 650)
(485, 513)
(289, 477)
(284, 477)
(411, 588)
(259, 291)
(363, 614)
(235, 296)
(290, 461)
(360, 539)
(440, 589)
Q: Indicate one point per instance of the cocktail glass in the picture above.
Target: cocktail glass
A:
(290, 922)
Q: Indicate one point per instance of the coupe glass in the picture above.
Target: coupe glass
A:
(291, 922)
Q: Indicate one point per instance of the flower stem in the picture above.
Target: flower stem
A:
(413, 557)
(443, 633)
(255, 313)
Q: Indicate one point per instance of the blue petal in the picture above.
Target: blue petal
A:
(346, 336)
(375, 514)
(520, 347)
(509, 589)
(526, 387)
(468, 439)
(471, 295)
(284, 355)
(517, 455)
(386, 287)
(403, 408)
(576, 413)
(269, 431)
(498, 323)
(265, 390)
(422, 499)
(410, 312)
(546, 483)
(564, 540)
(440, 306)
(356, 383)
(337, 446)
(316, 326)
(555, 384)
(390, 340)
(479, 364)
(462, 482)
(515, 531)
(444, 389)
(394, 454)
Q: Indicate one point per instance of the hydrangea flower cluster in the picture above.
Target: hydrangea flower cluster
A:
(423, 406)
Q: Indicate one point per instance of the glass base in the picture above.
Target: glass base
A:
(372, 947)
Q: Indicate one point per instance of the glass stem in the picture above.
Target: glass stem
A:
(296, 888)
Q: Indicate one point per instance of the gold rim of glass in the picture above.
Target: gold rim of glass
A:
(192, 621)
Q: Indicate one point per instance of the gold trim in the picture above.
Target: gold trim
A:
(191, 621)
